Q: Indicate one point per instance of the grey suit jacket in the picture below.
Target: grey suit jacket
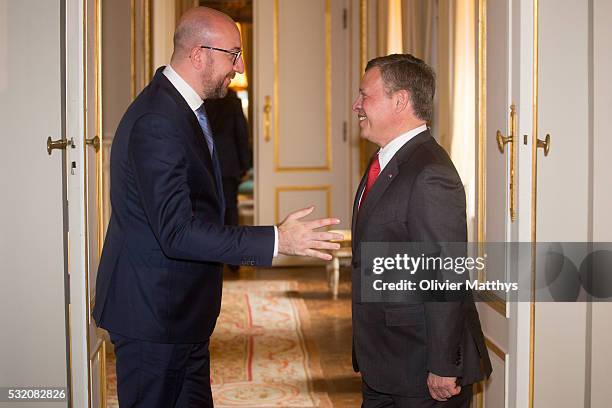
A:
(418, 197)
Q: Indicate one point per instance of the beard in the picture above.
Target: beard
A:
(219, 90)
(215, 86)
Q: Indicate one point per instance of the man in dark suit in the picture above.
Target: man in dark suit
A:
(422, 354)
(158, 289)
(231, 135)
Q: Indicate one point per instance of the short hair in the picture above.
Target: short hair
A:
(406, 72)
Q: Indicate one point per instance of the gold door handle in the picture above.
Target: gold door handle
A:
(95, 142)
(60, 144)
(544, 144)
(502, 141)
(267, 109)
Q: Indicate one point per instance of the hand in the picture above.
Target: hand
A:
(442, 388)
(296, 237)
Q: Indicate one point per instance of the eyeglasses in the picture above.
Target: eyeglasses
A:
(236, 54)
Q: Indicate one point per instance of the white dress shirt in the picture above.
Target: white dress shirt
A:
(195, 101)
(386, 153)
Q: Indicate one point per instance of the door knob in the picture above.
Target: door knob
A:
(544, 144)
(57, 144)
(502, 141)
(95, 142)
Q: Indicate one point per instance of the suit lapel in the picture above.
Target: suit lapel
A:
(197, 135)
(384, 180)
(356, 205)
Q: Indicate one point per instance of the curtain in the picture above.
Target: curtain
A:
(463, 104)
(382, 25)
(418, 21)
(443, 34)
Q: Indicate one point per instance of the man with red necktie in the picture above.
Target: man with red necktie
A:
(419, 354)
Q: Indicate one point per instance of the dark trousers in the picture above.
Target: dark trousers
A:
(151, 375)
(375, 399)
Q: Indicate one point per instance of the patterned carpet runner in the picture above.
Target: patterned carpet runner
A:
(259, 356)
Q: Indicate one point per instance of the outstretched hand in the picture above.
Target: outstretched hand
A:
(297, 237)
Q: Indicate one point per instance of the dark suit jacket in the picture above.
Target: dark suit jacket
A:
(418, 197)
(160, 273)
(231, 134)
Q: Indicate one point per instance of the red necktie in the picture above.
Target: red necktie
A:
(373, 174)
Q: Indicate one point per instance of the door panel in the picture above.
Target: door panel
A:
(499, 65)
(93, 194)
(32, 238)
(499, 86)
(301, 100)
(562, 191)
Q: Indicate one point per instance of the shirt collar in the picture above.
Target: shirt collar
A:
(386, 153)
(191, 97)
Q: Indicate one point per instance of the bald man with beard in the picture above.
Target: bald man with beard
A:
(158, 289)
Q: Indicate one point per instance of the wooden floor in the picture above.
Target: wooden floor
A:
(330, 327)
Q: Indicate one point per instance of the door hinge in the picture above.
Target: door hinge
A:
(344, 18)
(344, 131)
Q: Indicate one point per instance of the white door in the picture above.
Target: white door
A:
(94, 209)
(504, 180)
(49, 217)
(565, 195)
(84, 186)
(302, 106)
(547, 354)
(33, 276)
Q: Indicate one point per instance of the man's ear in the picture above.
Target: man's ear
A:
(402, 100)
(196, 55)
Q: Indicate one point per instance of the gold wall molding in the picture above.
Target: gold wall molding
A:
(479, 389)
(99, 353)
(491, 345)
(482, 119)
(363, 58)
(85, 219)
(534, 196)
(141, 45)
(147, 66)
(493, 300)
(99, 126)
(328, 95)
(133, 48)
(96, 116)
(286, 189)
(103, 394)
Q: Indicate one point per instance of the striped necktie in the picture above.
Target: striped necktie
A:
(208, 136)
